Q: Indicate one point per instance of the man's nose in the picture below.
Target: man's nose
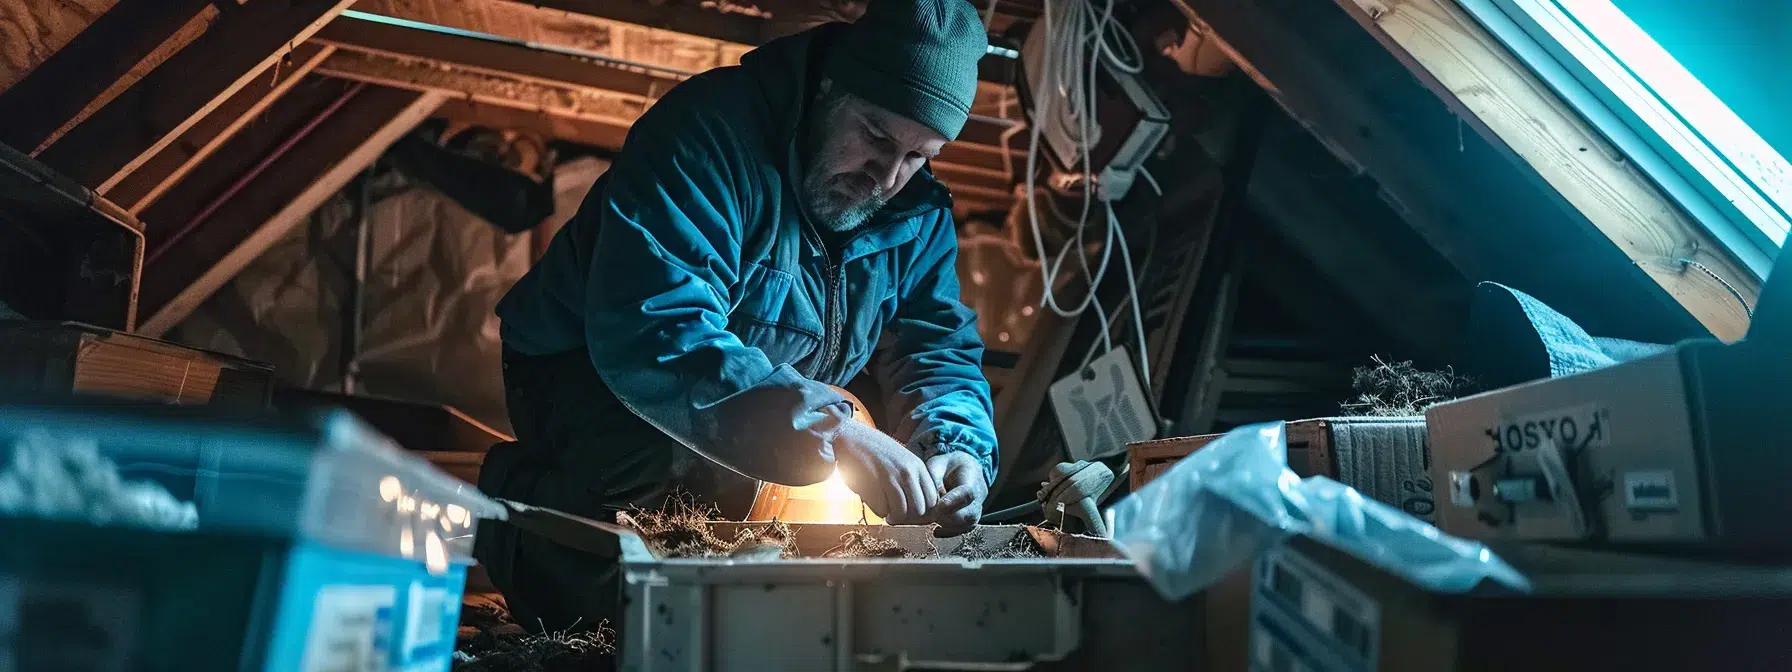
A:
(886, 173)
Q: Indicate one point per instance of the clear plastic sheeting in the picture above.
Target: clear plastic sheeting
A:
(1221, 507)
(435, 274)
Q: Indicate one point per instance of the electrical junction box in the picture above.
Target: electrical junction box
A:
(1685, 448)
(1129, 120)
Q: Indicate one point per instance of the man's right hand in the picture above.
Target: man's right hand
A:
(891, 479)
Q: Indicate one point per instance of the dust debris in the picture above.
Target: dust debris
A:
(683, 529)
(864, 544)
(489, 641)
(977, 546)
(1400, 389)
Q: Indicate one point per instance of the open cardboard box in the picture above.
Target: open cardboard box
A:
(1682, 449)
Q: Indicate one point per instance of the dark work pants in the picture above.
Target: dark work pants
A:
(579, 450)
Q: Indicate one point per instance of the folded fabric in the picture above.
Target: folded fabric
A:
(1514, 338)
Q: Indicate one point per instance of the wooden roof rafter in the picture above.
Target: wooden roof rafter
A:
(1555, 213)
(1504, 100)
(242, 43)
(597, 73)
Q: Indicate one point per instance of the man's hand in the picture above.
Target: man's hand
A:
(960, 476)
(885, 474)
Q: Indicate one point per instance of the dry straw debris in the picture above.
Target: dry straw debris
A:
(490, 641)
(1400, 389)
(682, 529)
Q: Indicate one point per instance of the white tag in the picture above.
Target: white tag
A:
(351, 629)
(1652, 490)
(1102, 407)
(427, 607)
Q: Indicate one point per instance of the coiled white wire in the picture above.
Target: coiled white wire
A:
(1073, 54)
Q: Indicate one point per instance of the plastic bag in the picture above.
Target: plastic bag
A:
(1218, 509)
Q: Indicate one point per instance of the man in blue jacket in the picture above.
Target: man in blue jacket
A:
(763, 226)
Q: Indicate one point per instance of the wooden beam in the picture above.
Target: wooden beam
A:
(551, 126)
(57, 90)
(986, 157)
(776, 18)
(679, 16)
(242, 44)
(1512, 107)
(160, 173)
(1491, 217)
(293, 186)
(979, 183)
(575, 102)
(561, 29)
(395, 51)
(554, 68)
(493, 57)
(168, 220)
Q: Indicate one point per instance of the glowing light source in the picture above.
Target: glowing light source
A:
(407, 542)
(435, 553)
(829, 501)
(456, 514)
(390, 488)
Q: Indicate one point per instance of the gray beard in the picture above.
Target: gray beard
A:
(832, 216)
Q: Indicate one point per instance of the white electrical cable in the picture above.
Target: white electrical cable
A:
(1150, 180)
(1074, 47)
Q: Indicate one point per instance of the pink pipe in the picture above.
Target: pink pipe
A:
(260, 167)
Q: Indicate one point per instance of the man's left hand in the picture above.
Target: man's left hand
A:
(960, 479)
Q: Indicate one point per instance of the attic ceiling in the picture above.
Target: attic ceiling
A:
(221, 124)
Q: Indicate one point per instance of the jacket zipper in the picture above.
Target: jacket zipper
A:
(834, 306)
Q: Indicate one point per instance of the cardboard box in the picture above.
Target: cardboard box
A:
(1316, 608)
(1681, 449)
(1383, 458)
(61, 358)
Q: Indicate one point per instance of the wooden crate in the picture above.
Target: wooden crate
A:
(39, 358)
(1308, 454)
(1384, 458)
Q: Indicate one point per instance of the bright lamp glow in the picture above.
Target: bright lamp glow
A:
(829, 501)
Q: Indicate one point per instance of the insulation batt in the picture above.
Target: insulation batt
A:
(68, 479)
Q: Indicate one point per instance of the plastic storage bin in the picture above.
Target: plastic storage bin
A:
(298, 543)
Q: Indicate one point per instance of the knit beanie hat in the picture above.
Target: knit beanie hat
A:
(917, 58)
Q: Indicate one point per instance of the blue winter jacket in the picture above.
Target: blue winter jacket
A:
(714, 311)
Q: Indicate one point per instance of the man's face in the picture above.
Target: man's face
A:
(856, 156)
